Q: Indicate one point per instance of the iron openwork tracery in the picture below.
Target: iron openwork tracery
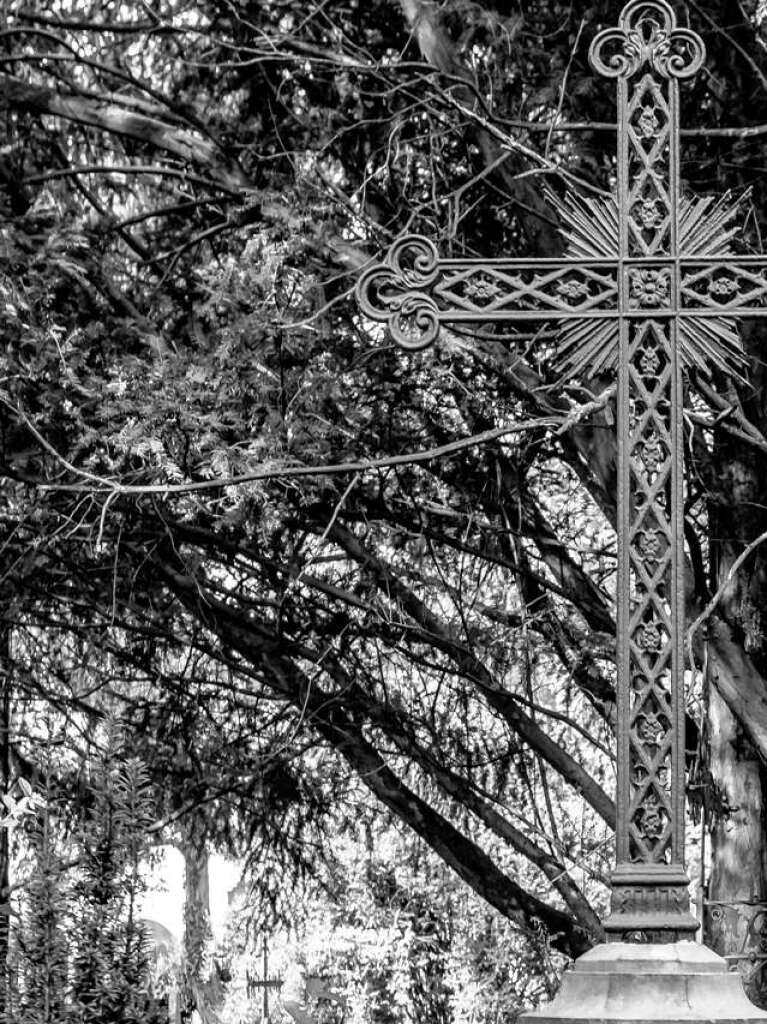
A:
(649, 286)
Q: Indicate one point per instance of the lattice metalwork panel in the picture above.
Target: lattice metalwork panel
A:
(648, 122)
(652, 551)
(715, 286)
(650, 284)
(578, 289)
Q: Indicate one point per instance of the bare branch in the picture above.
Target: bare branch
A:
(189, 146)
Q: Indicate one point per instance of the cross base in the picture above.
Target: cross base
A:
(650, 899)
(654, 983)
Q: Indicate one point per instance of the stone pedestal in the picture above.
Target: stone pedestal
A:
(632, 983)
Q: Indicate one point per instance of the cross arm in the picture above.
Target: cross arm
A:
(415, 292)
(729, 284)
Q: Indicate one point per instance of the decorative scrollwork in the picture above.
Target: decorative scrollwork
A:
(396, 292)
(647, 36)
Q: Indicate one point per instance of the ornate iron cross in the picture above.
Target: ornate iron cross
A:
(649, 286)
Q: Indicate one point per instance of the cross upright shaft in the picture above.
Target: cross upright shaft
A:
(649, 884)
(649, 287)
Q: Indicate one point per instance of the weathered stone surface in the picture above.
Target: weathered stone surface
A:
(663, 983)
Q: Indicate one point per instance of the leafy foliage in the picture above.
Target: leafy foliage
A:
(403, 940)
(80, 952)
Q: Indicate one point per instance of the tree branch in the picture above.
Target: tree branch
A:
(324, 711)
(502, 701)
(109, 117)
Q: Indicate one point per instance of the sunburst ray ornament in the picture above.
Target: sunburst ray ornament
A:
(706, 228)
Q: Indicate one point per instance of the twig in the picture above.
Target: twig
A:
(724, 585)
(101, 484)
(717, 27)
(324, 535)
(562, 87)
(509, 142)
(172, 172)
(154, 26)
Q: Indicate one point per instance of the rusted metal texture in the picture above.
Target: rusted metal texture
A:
(648, 287)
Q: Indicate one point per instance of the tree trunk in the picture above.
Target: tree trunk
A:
(736, 921)
(5, 781)
(425, 21)
(197, 933)
(734, 924)
(17, 94)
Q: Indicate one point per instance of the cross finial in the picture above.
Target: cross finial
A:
(647, 36)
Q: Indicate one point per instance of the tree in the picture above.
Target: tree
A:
(188, 199)
(398, 937)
